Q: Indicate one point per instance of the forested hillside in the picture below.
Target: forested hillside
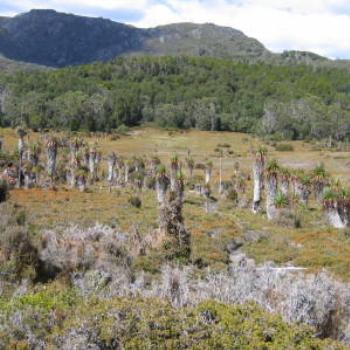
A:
(210, 94)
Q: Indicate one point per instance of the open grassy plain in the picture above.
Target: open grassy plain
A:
(314, 245)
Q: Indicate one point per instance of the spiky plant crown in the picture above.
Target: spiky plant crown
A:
(261, 153)
(285, 173)
(155, 160)
(272, 167)
(180, 176)
(52, 143)
(161, 170)
(174, 162)
(27, 166)
(319, 174)
(302, 177)
(93, 150)
(281, 200)
(190, 162)
(21, 132)
(112, 156)
(35, 148)
(260, 158)
(207, 190)
(209, 165)
(82, 171)
(38, 169)
(336, 196)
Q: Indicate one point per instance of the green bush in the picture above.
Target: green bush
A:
(284, 147)
(135, 202)
(4, 191)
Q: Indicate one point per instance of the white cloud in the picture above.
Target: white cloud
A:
(311, 25)
(321, 26)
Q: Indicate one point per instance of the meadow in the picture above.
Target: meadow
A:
(313, 245)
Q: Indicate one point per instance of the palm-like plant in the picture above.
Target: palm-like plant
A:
(208, 171)
(319, 179)
(272, 172)
(285, 176)
(258, 178)
(190, 165)
(174, 168)
(336, 202)
(51, 146)
(162, 184)
(281, 200)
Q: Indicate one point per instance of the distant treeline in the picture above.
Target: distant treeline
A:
(210, 94)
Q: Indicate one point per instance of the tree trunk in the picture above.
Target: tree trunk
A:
(258, 183)
(285, 187)
(271, 209)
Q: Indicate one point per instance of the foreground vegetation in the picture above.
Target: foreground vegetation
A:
(64, 320)
(293, 102)
(100, 221)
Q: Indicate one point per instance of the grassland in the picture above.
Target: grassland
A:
(314, 245)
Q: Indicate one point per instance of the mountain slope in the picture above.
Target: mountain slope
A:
(53, 39)
(50, 38)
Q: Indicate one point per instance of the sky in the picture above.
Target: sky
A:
(320, 26)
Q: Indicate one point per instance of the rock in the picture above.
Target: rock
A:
(254, 236)
(215, 232)
(208, 317)
(235, 244)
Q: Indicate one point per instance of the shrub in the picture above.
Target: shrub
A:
(18, 254)
(4, 191)
(122, 129)
(150, 183)
(135, 202)
(284, 147)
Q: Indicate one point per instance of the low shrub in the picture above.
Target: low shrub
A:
(4, 191)
(284, 147)
(135, 202)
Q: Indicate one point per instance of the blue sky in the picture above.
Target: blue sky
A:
(321, 26)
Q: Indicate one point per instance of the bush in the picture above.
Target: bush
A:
(4, 191)
(284, 147)
(122, 129)
(135, 202)
(18, 254)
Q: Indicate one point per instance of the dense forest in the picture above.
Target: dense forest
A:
(292, 102)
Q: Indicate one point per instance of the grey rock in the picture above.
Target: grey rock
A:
(255, 236)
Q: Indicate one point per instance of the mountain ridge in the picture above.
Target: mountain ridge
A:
(54, 39)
